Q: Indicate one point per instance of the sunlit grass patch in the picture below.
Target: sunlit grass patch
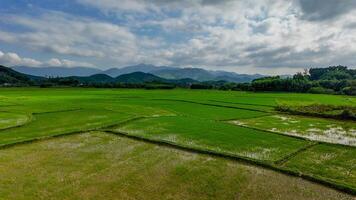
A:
(216, 136)
(191, 109)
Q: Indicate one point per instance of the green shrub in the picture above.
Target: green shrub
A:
(320, 90)
(321, 110)
(201, 86)
(349, 90)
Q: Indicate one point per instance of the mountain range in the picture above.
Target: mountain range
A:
(11, 77)
(160, 71)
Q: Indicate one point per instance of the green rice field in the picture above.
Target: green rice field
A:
(171, 144)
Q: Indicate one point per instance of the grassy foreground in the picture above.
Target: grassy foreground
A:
(103, 166)
(239, 124)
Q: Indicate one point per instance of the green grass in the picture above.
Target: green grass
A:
(56, 123)
(103, 166)
(191, 118)
(216, 136)
(214, 112)
(326, 130)
(8, 120)
(333, 162)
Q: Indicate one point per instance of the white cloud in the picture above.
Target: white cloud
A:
(30, 62)
(268, 35)
(55, 62)
(12, 59)
(264, 36)
(64, 34)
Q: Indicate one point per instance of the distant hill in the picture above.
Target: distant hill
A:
(183, 82)
(131, 78)
(179, 73)
(114, 72)
(161, 71)
(234, 77)
(138, 77)
(97, 78)
(205, 75)
(182, 73)
(57, 71)
(9, 76)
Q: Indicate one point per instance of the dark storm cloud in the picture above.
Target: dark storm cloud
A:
(320, 10)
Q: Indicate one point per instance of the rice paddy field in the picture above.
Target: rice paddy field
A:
(82, 143)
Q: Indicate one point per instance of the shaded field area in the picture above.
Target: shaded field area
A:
(242, 125)
(97, 165)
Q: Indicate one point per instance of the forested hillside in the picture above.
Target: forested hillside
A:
(331, 80)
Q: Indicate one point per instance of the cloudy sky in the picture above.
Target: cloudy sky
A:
(256, 36)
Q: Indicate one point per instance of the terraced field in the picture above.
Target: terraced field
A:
(211, 137)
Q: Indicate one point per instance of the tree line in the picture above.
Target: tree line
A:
(331, 80)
